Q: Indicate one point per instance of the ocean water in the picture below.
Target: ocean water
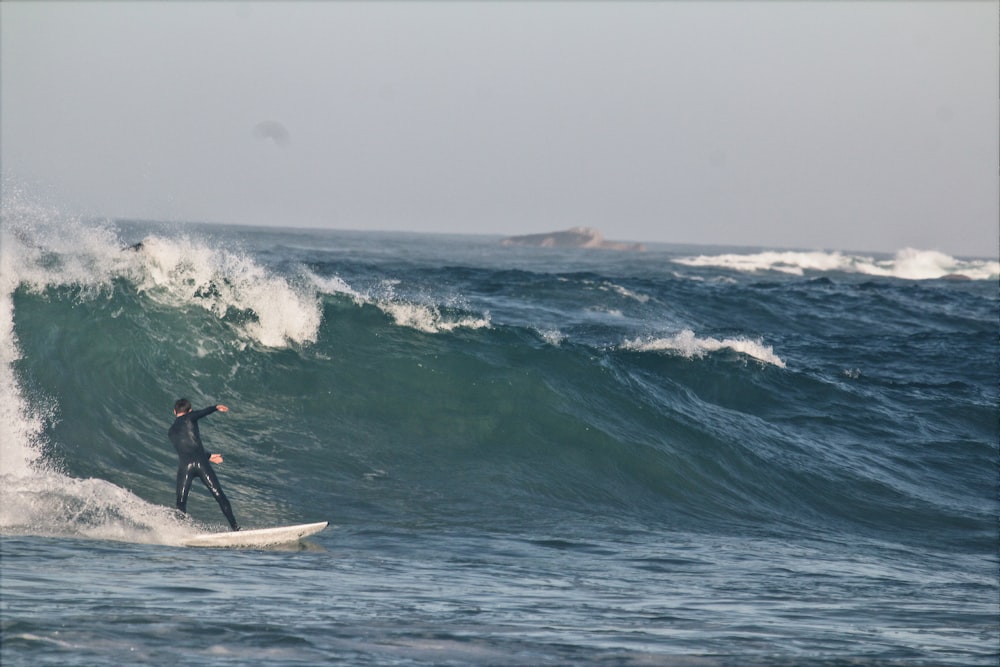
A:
(529, 456)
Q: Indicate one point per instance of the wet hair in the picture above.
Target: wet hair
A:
(181, 406)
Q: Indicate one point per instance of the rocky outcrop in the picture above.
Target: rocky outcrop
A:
(577, 237)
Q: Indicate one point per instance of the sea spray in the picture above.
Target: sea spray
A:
(230, 285)
(38, 249)
(21, 423)
(51, 504)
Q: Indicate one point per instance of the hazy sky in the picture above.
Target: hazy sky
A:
(841, 125)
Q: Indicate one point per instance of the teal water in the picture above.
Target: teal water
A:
(529, 456)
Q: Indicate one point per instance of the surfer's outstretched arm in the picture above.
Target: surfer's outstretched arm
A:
(217, 458)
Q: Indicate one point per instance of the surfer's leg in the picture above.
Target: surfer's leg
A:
(184, 479)
(212, 482)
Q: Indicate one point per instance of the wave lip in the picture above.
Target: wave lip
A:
(687, 344)
(907, 264)
(423, 317)
(429, 319)
(231, 286)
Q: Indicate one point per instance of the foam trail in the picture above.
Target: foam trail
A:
(53, 505)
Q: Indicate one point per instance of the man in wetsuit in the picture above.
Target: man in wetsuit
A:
(193, 460)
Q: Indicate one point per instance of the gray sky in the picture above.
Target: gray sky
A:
(854, 125)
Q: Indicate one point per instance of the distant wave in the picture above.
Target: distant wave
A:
(687, 344)
(427, 318)
(430, 319)
(908, 264)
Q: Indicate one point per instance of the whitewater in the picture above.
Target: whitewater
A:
(686, 455)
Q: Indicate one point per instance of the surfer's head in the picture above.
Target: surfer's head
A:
(182, 406)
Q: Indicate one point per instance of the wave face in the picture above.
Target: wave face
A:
(449, 382)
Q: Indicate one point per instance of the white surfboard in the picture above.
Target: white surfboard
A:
(261, 537)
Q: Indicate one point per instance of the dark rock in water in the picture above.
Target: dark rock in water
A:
(577, 237)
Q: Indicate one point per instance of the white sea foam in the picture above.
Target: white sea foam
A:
(44, 249)
(182, 270)
(21, 424)
(406, 312)
(51, 504)
(552, 336)
(625, 292)
(909, 264)
(430, 319)
(927, 265)
(687, 344)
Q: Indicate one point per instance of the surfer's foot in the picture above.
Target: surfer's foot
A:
(235, 528)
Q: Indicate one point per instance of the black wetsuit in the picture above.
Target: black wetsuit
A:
(193, 461)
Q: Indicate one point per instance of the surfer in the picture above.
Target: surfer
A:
(194, 461)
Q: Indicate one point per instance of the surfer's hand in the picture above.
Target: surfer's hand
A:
(221, 408)
(215, 458)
